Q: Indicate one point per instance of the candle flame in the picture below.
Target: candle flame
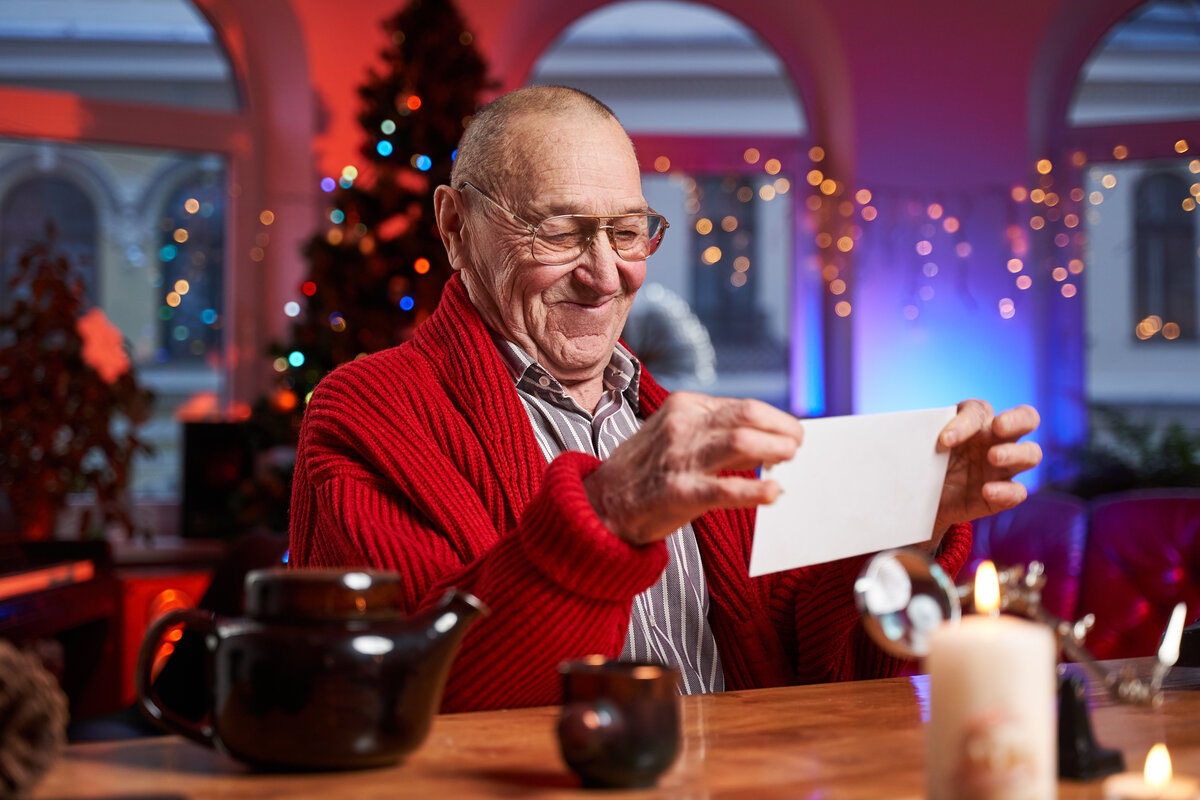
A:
(1158, 766)
(987, 589)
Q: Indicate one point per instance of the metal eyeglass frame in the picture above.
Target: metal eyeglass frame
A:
(532, 229)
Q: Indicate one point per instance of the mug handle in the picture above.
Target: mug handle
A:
(199, 621)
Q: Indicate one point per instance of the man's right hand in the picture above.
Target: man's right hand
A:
(666, 474)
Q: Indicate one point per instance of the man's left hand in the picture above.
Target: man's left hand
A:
(985, 454)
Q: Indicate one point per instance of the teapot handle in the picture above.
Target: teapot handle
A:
(199, 621)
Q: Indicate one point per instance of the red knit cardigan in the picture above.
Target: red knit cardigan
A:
(421, 459)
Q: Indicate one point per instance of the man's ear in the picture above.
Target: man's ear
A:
(450, 212)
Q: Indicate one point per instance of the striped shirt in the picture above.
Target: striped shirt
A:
(669, 621)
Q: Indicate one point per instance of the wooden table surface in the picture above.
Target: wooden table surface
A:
(848, 740)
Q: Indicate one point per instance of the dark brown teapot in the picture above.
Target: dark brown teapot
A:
(321, 673)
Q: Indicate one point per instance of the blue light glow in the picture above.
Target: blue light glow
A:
(407, 303)
(296, 358)
(384, 148)
(336, 216)
(168, 252)
(208, 316)
(424, 163)
(328, 184)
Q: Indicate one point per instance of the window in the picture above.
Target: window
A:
(144, 225)
(1135, 139)
(720, 135)
(44, 208)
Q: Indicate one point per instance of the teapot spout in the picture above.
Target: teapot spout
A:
(449, 620)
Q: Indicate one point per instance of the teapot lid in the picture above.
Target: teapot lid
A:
(289, 593)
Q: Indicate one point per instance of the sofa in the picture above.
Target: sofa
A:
(1127, 558)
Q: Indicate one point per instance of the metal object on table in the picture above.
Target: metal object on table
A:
(894, 580)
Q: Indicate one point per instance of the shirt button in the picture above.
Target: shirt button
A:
(544, 382)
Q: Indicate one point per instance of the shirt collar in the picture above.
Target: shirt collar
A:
(623, 373)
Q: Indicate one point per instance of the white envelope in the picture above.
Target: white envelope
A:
(858, 484)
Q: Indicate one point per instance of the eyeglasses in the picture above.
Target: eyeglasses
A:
(562, 238)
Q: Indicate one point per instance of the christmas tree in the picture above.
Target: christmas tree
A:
(377, 268)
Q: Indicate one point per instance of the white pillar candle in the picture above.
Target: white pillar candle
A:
(992, 732)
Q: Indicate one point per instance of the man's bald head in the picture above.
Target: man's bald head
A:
(490, 156)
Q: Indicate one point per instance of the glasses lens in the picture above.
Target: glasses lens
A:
(560, 239)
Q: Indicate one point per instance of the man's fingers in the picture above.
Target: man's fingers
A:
(1014, 457)
(757, 415)
(1002, 495)
(744, 448)
(1016, 422)
(972, 416)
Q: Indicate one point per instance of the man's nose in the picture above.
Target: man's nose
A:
(597, 264)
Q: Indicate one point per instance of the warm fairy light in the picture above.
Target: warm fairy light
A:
(413, 103)
(782, 185)
(814, 177)
(1181, 146)
(924, 247)
(772, 166)
(1037, 196)
(191, 205)
(173, 299)
(962, 249)
(824, 239)
(950, 224)
(1071, 220)
(751, 155)
(1120, 152)
(869, 213)
(1019, 194)
(1189, 204)
(738, 279)
(934, 211)
(262, 238)
(182, 286)
(987, 583)
(729, 224)
(268, 216)
(845, 244)
(1015, 265)
(842, 309)
(334, 237)
(741, 263)
(1061, 239)
(421, 265)
(662, 164)
(828, 186)
(1037, 223)
(1096, 198)
(745, 194)
(1108, 181)
(829, 272)
(1024, 282)
(1059, 274)
(816, 154)
(1077, 195)
(813, 202)
(180, 235)
(1194, 165)
(257, 254)
(863, 196)
(766, 192)
(1078, 158)
(704, 226)
(1075, 266)
(837, 287)
(1044, 166)
(1171, 330)
(1068, 290)
(1051, 199)
(1158, 772)
(711, 255)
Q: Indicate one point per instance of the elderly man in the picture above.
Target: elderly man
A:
(514, 448)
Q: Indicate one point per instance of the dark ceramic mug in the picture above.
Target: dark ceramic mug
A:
(323, 672)
(619, 726)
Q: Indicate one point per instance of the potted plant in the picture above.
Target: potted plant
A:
(69, 400)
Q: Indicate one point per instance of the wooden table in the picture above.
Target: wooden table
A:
(849, 740)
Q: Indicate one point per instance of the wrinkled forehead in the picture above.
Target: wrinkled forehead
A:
(578, 163)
